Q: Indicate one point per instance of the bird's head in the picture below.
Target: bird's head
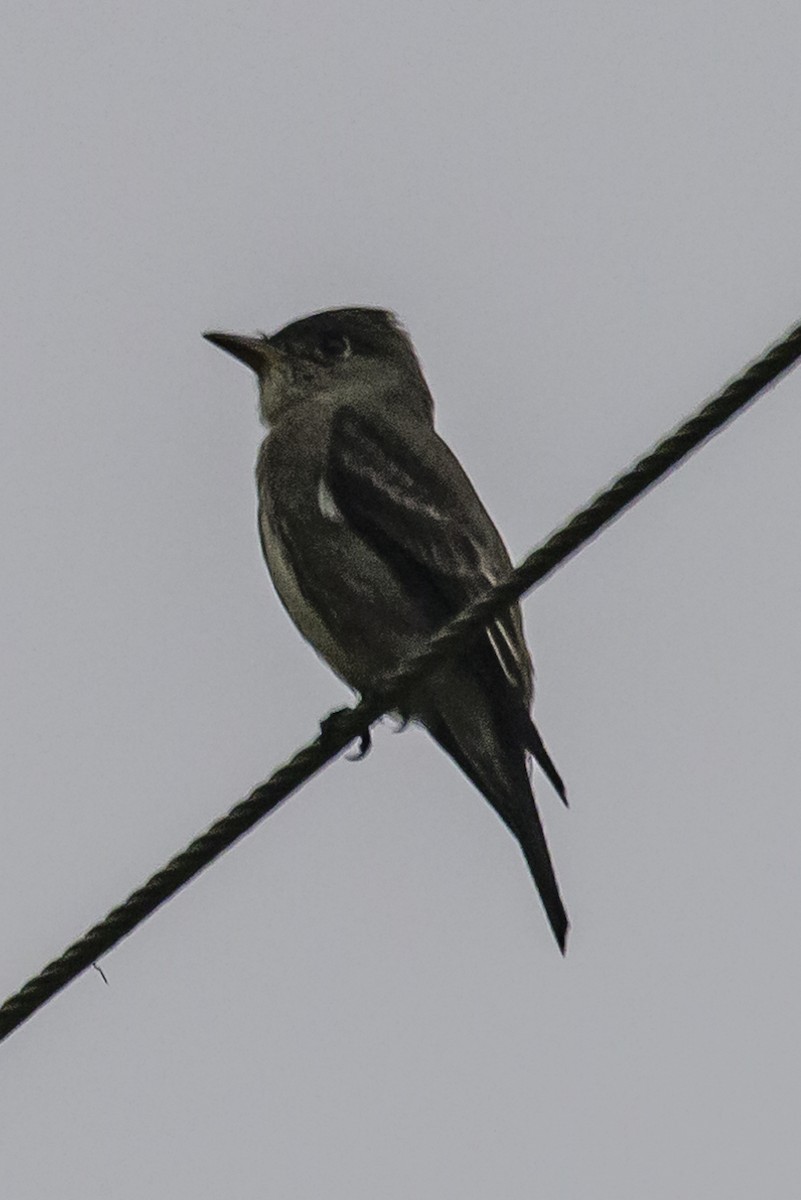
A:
(348, 354)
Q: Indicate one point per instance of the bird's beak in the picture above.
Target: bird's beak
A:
(255, 352)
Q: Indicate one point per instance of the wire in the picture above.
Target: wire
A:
(342, 727)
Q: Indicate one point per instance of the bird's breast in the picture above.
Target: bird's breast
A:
(303, 613)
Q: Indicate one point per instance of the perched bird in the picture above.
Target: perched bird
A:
(374, 538)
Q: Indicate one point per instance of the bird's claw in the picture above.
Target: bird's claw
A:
(364, 747)
(331, 726)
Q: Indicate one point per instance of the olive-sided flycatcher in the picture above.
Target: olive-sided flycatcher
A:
(375, 537)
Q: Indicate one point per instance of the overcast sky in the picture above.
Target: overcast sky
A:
(587, 215)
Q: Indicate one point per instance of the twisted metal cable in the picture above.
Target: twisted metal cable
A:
(347, 724)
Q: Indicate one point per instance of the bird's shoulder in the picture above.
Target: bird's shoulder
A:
(395, 463)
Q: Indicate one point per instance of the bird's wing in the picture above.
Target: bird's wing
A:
(409, 499)
(416, 508)
(412, 502)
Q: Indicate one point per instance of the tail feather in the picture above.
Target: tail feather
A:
(511, 703)
(505, 784)
(543, 759)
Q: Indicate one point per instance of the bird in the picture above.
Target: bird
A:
(374, 537)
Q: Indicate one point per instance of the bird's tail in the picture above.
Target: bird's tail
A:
(534, 743)
(497, 768)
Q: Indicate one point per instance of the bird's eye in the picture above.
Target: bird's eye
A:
(334, 345)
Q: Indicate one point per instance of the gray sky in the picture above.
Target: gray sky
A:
(587, 216)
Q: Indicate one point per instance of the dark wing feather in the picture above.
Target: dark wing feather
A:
(419, 511)
(425, 519)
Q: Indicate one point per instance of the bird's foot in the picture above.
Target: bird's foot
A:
(364, 747)
(331, 728)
